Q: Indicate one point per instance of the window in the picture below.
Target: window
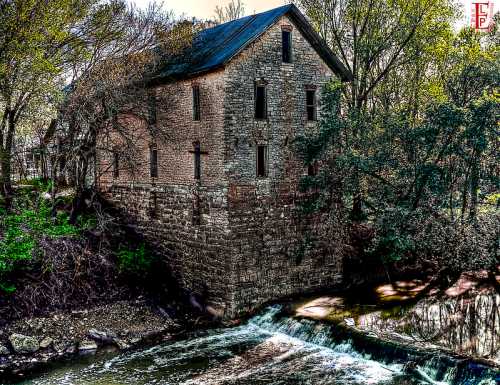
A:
(196, 103)
(313, 168)
(116, 165)
(153, 162)
(311, 104)
(197, 161)
(286, 46)
(262, 170)
(260, 101)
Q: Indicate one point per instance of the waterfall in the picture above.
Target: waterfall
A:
(431, 367)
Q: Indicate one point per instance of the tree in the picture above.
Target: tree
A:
(110, 98)
(373, 39)
(37, 42)
(414, 139)
(234, 10)
(410, 213)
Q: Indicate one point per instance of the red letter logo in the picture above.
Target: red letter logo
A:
(482, 16)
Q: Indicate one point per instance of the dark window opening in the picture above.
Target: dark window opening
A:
(153, 162)
(313, 169)
(196, 103)
(116, 165)
(262, 169)
(286, 46)
(62, 164)
(311, 104)
(260, 102)
(197, 161)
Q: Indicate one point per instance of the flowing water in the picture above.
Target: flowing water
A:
(273, 348)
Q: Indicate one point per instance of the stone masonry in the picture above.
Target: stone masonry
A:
(232, 237)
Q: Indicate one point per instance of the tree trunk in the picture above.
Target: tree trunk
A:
(5, 177)
(6, 161)
(474, 186)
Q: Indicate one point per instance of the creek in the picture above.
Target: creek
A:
(275, 347)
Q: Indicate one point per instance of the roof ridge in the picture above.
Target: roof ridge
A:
(214, 47)
(231, 36)
(253, 15)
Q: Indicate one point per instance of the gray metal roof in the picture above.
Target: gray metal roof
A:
(214, 47)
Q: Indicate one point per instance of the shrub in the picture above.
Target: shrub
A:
(423, 239)
(39, 184)
(137, 262)
(21, 230)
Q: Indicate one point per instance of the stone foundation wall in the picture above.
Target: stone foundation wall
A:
(237, 248)
(189, 226)
(277, 250)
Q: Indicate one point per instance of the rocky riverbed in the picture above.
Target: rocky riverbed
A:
(442, 337)
(29, 344)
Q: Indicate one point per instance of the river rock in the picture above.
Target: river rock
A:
(135, 340)
(4, 351)
(87, 346)
(59, 347)
(71, 349)
(350, 322)
(122, 345)
(101, 336)
(46, 342)
(23, 344)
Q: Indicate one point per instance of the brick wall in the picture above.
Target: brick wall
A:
(198, 254)
(231, 236)
(176, 131)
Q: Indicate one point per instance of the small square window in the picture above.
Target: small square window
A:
(313, 168)
(262, 161)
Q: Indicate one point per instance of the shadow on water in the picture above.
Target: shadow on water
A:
(275, 347)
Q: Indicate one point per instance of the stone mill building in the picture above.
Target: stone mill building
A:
(219, 197)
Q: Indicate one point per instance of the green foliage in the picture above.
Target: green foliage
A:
(39, 184)
(425, 169)
(393, 247)
(493, 199)
(312, 147)
(136, 261)
(418, 238)
(21, 229)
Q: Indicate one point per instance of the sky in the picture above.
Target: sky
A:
(204, 9)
